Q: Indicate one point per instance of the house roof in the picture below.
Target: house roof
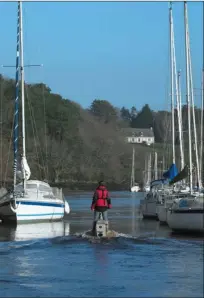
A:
(138, 132)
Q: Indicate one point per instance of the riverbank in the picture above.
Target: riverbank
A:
(79, 185)
(88, 186)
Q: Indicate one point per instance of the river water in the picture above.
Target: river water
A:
(56, 260)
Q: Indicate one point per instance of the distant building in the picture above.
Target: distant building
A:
(139, 135)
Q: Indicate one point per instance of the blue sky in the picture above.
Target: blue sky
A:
(117, 51)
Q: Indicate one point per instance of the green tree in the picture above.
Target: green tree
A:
(103, 110)
(133, 113)
(66, 143)
(125, 114)
(144, 118)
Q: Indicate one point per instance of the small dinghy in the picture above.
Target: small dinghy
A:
(102, 230)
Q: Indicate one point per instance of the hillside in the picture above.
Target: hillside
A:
(74, 146)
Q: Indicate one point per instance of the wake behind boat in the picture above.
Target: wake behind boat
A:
(108, 234)
(101, 230)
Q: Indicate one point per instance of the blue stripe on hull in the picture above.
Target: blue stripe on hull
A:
(42, 214)
(40, 204)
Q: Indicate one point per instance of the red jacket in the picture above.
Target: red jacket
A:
(101, 200)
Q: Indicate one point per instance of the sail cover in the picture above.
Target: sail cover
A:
(25, 168)
(171, 173)
(182, 175)
(24, 172)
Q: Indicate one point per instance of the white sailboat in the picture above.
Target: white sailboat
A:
(146, 174)
(157, 192)
(167, 200)
(30, 200)
(134, 187)
(187, 214)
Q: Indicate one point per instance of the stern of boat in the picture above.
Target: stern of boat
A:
(8, 212)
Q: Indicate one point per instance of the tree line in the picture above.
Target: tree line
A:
(68, 144)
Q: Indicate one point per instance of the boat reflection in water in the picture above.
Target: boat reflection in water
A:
(31, 231)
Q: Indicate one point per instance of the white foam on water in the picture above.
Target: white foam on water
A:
(86, 235)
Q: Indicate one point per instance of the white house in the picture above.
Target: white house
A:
(139, 135)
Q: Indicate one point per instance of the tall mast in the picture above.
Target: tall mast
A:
(133, 167)
(193, 112)
(180, 120)
(22, 90)
(178, 97)
(16, 113)
(172, 81)
(188, 94)
(202, 108)
(155, 166)
(163, 164)
(150, 168)
(145, 171)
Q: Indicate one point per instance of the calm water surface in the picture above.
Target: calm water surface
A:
(146, 260)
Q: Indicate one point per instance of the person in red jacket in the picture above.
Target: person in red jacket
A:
(101, 203)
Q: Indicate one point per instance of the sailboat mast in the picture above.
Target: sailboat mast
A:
(16, 113)
(178, 95)
(180, 121)
(163, 165)
(202, 108)
(145, 171)
(133, 167)
(150, 168)
(188, 95)
(193, 113)
(155, 166)
(172, 81)
(22, 88)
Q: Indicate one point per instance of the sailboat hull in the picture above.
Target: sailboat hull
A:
(162, 213)
(27, 211)
(6, 213)
(148, 207)
(146, 188)
(186, 221)
(35, 206)
(135, 188)
(186, 215)
(162, 209)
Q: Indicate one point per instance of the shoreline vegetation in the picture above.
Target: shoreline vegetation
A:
(75, 147)
(78, 186)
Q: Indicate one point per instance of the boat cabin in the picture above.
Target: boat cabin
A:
(40, 188)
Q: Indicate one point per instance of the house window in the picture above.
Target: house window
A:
(138, 140)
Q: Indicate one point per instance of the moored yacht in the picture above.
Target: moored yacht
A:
(29, 200)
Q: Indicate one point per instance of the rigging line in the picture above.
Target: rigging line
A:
(45, 131)
(38, 139)
(9, 151)
(33, 128)
(38, 152)
(35, 143)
